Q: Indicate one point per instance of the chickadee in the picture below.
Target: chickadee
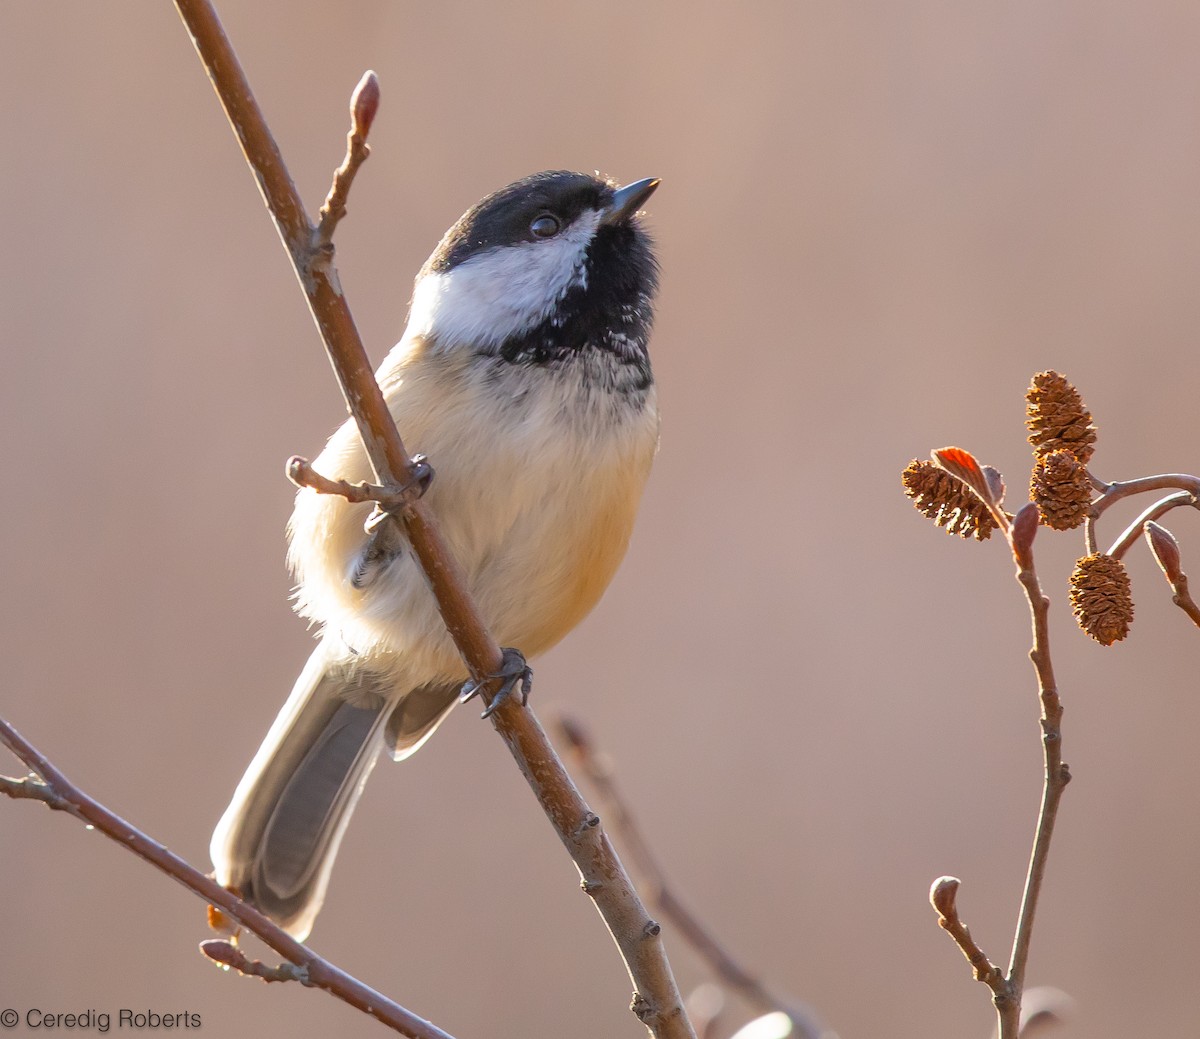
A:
(523, 375)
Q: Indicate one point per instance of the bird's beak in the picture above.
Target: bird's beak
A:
(628, 200)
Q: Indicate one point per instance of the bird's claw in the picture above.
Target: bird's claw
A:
(514, 671)
(422, 478)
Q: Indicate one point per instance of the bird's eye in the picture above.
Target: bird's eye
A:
(545, 226)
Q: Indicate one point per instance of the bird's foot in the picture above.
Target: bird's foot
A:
(422, 477)
(397, 499)
(514, 671)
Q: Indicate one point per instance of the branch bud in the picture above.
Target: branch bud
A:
(364, 103)
(1024, 529)
(1166, 550)
(222, 952)
(943, 896)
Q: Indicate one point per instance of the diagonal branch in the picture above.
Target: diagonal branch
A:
(943, 895)
(1111, 493)
(657, 1002)
(59, 793)
(1156, 511)
(599, 773)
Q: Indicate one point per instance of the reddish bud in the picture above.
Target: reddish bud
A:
(221, 952)
(1024, 529)
(364, 103)
(943, 896)
(1165, 548)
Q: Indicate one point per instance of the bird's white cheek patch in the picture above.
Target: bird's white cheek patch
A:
(502, 292)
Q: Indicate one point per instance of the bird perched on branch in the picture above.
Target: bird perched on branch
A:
(523, 375)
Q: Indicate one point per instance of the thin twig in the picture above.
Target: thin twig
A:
(58, 792)
(1183, 598)
(1055, 776)
(1157, 510)
(943, 895)
(302, 474)
(1111, 493)
(30, 788)
(628, 834)
(1114, 492)
(229, 955)
(364, 103)
(1089, 535)
(1007, 988)
(657, 1002)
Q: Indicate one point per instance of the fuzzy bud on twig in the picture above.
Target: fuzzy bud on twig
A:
(1101, 598)
(364, 103)
(943, 895)
(224, 953)
(229, 955)
(1166, 550)
(1024, 529)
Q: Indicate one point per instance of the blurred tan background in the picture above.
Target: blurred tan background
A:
(877, 221)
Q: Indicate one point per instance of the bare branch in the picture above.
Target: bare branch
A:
(1111, 493)
(55, 790)
(302, 474)
(598, 770)
(364, 103)
(943, 896)
(1054, 780)
(1159, 509)
(1007, 987)
(1115, 492)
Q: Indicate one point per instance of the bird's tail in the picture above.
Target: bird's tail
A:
(277, 840)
